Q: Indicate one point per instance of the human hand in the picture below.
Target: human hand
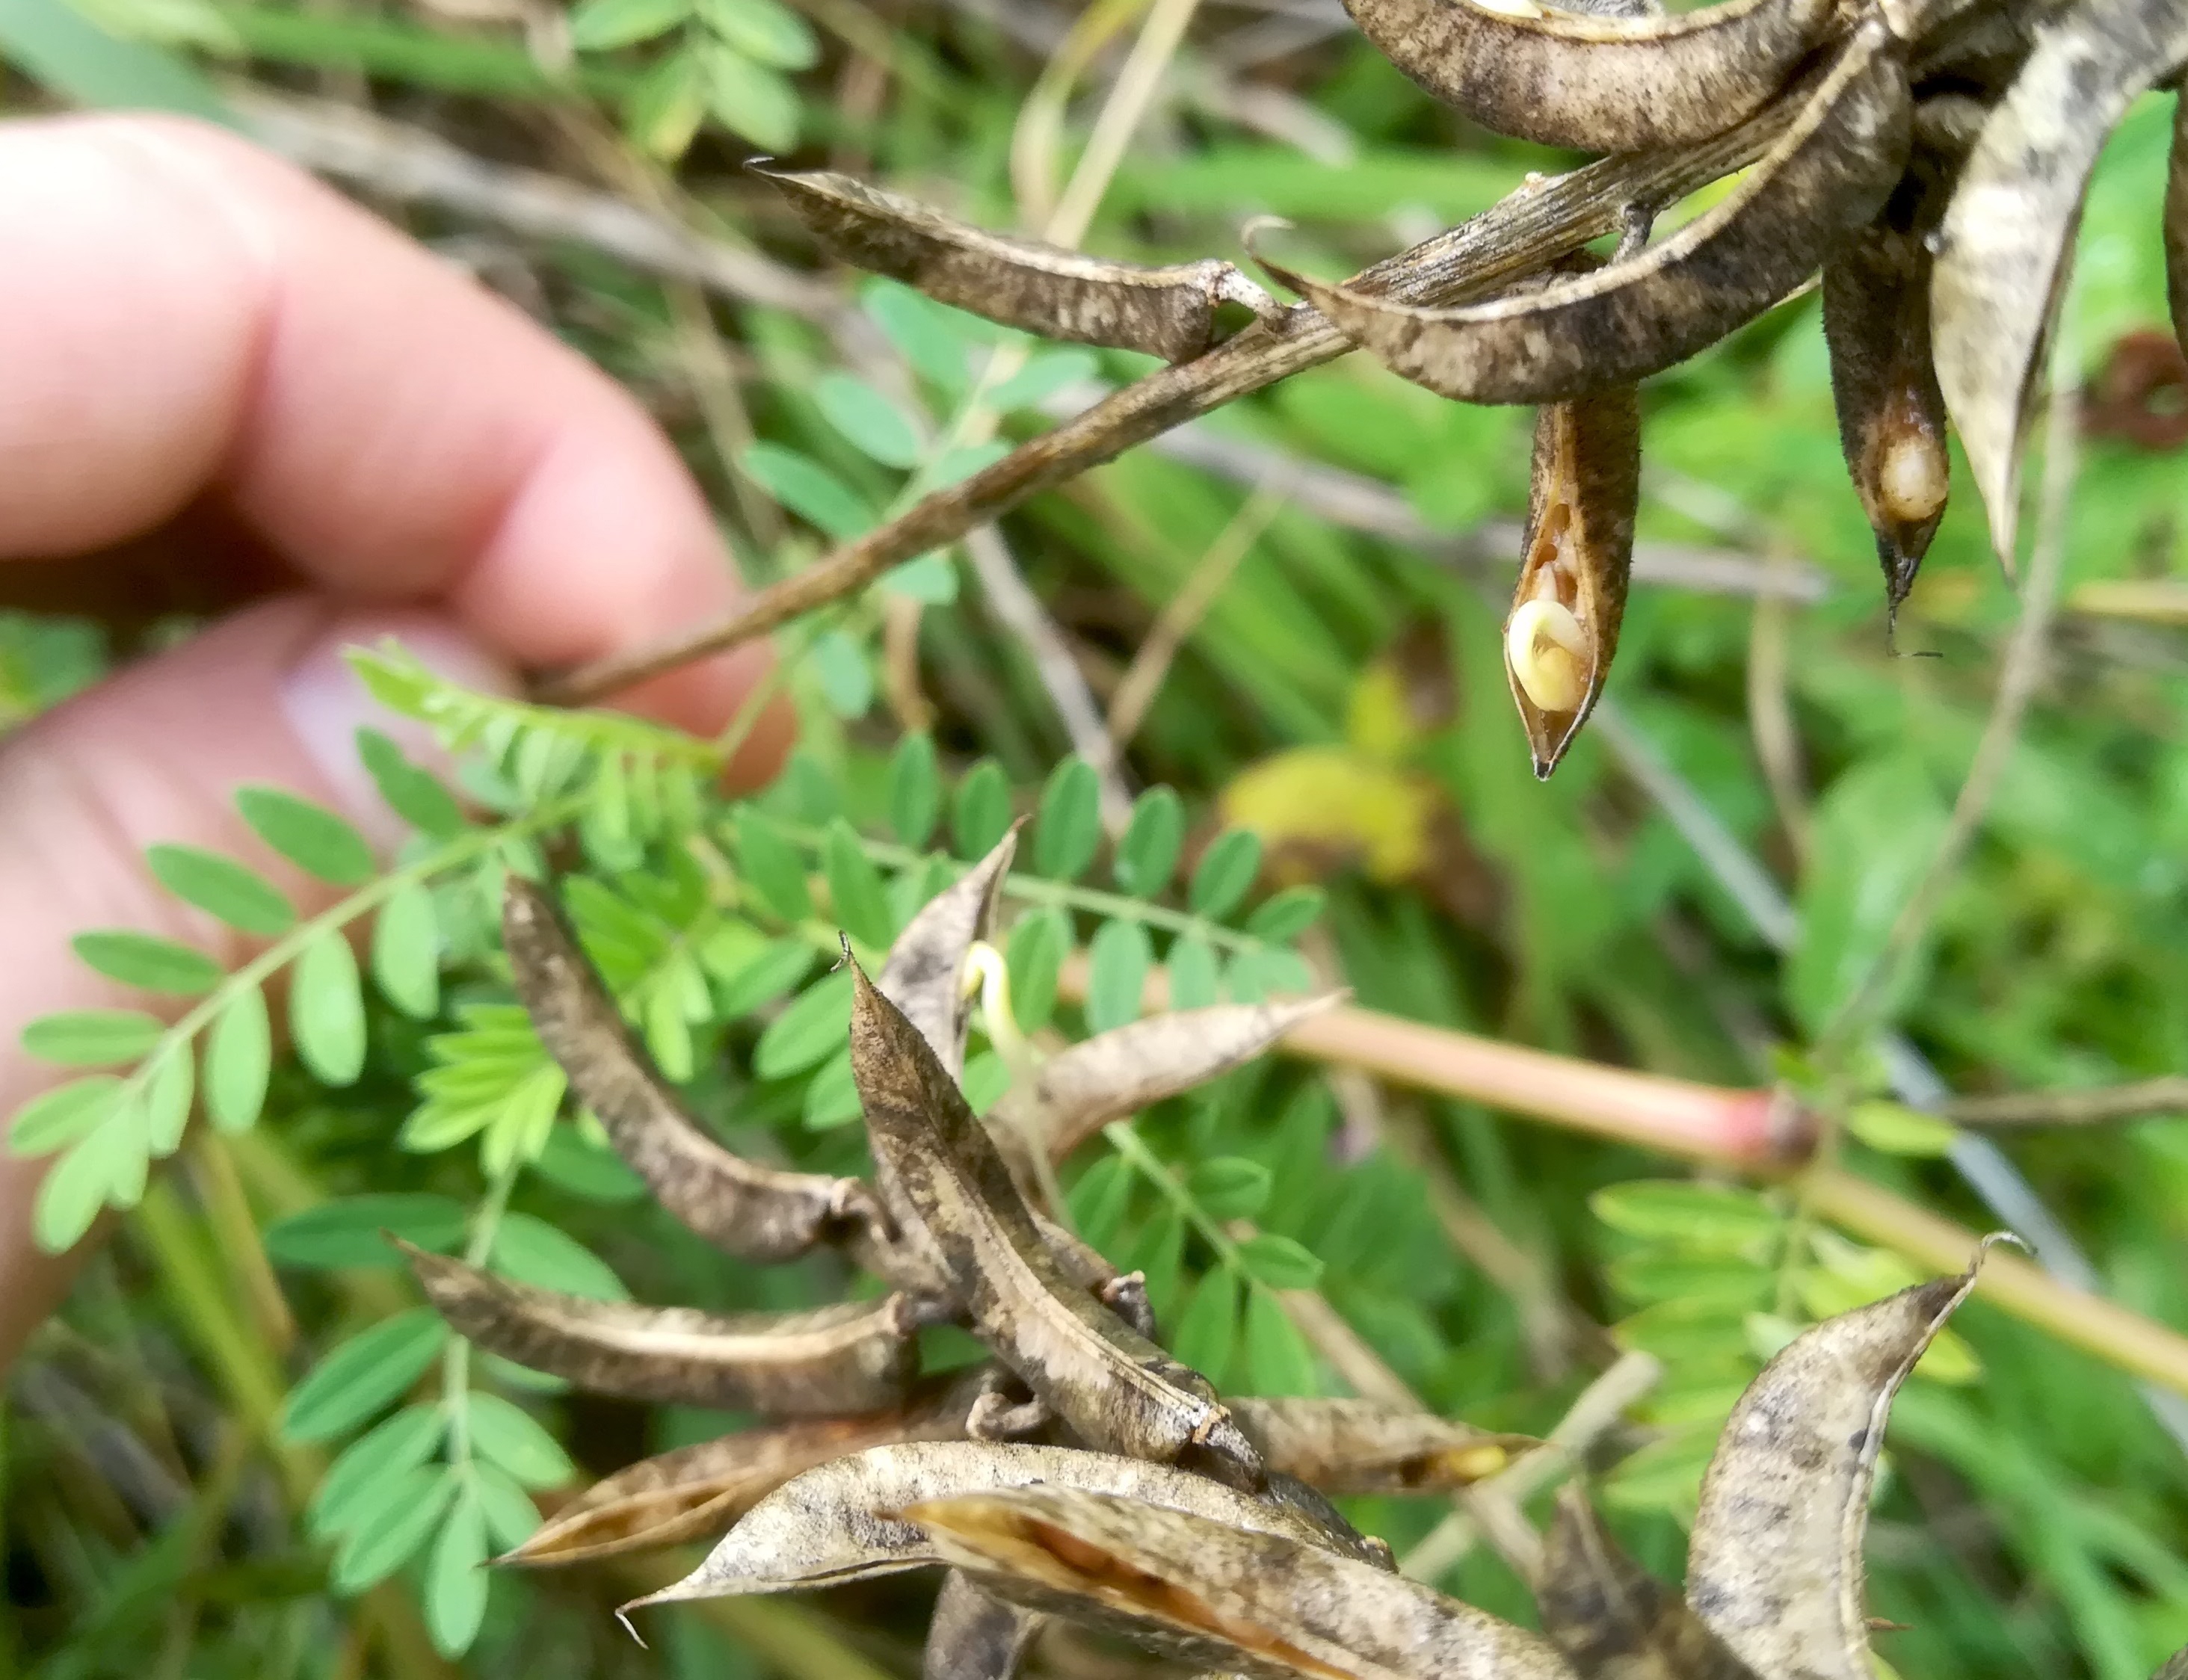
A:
(223, 381)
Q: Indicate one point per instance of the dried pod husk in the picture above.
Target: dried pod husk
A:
(1083, 1088)
(2176, 225)
(2002, 248)
(1202, 1592)
(696, 1492)
(1562, 633)
(1348, 1445)
(1169, 312)
(2176, 1667)
(1611, 1619)
(1775, 1567)
(1115, 1389)
(835, 1523)
(754, 1212)
(974, 1635)
(853, 1356)
(1891, 413)
(925, 973)
(1830, 171)
(1570, 76)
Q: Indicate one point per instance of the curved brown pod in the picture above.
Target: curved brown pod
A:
(853, 1356)
(1595, 83)
(1571, 598)
(1353, 1445)
(1884, 383)
(1830, 171)
(753, 1212)
(1168, 312)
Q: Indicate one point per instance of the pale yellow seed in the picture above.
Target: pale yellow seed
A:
(1511, 9)
(1548, 654)
(1913, 477)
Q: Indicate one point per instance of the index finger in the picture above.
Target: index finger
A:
(181, 315)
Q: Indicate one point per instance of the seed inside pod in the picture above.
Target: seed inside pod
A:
(1913, 475)
(1548, 652)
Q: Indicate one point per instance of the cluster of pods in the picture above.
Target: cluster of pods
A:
(1080, 1471)
(1929, 157)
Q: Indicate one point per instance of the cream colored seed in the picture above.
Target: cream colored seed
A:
(1512, 9)
(1548, 655)
(1913, 477)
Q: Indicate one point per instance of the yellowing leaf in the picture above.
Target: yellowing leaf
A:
(1335, 799)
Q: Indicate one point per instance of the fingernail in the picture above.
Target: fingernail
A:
(327, 704)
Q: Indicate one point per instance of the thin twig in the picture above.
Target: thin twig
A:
(1539, 222)
(2166, 1096)
(1182, 615)
(1601, 1404)
(412, 166)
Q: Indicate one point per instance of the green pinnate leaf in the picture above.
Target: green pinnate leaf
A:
(914, 790)
(363, 1375)
(748, 98)
(372, 1551)
(817, 1023)
(807, 489)
(406, 951)
(1278, 1361)
(597, 25)
(1712, 1218)
(1101, 1200)
(92, 1038)
(511, 1518)
(982, 810)
(1147, 855)
(533, 1251)
(238, 1060)
(1068, 832)
(1038, 945)
(148, 961)
(772, 867)
(415, 795)
(73, 1190)
(456, 1579)
(1229, 1187)
(832, 1095)
(509, 1436)
(766, 32)
(354, 1230)
(869, 421)
(1278, 1263)
(55, 1119)
(1119, 957)
(929, 336)
(1894, 1128)
(170, 1085)
(1225, 872)
(1288, 915)
(855, 888)
(326, 1009)
(1207, 1329)
(1195, 976)
(361, 1473)
(311, 836)
(664, 111)
(223, 888)
(840, 664)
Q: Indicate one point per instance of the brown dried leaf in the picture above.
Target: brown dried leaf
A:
(974, 1635)
(753, 1212)
(1574, 76)
(1118, 1390)
(1830, 171)
(1195, 1589)
(2002, 247)
(1371, 1446)
(1570, 600)
(853, 1356)
(1080, 1089)
(1774, 1568)
(1891, 413)
(835, 1524)
(1168, 312)
(1611, 1619)
(697, 1492)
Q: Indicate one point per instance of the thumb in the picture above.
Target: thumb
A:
(155, 754)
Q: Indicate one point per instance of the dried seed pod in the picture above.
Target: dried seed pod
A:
(974, 1635)
(1830, 171)
(1194, 1588)
(2176, 1667)
(1370, 1447)
(1081, 1089)
(1585, 487)
(924, 975)
(753, 1212)
(834, 1524)
(1774, 1568)
(695, 1492)
(2176, 225)
(1890, 414)
(2002, 246)
(1610, 1618)
(853, 1356)
(1574, 76)
(1118, 1390)
(1168, 312)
